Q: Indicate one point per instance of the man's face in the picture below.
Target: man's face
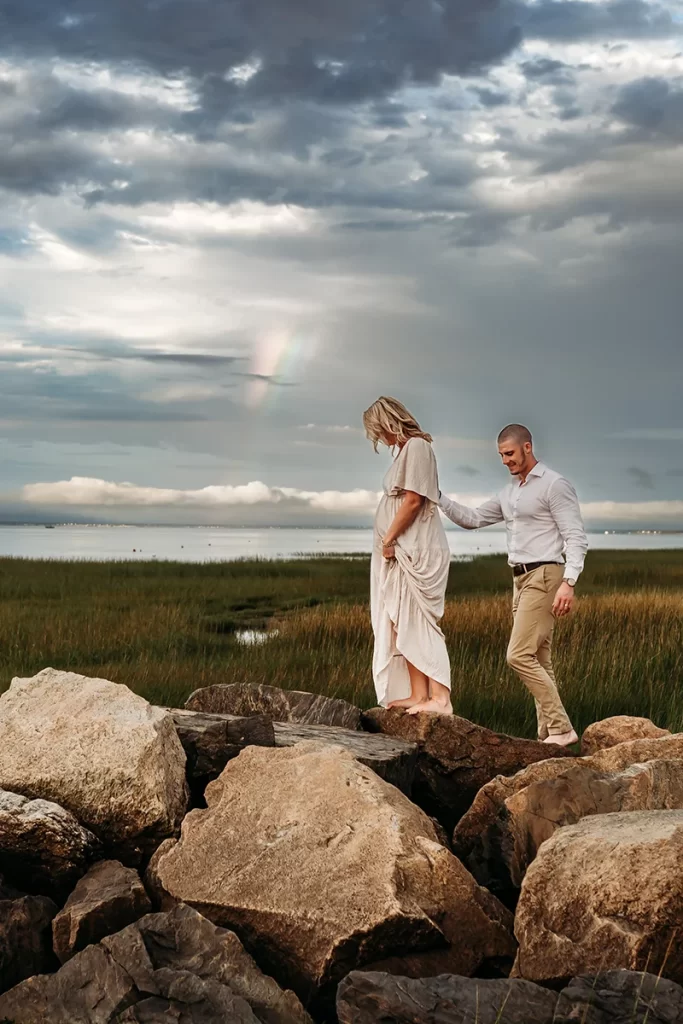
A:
(514, 456)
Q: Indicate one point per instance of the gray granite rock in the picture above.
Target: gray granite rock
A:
(392, 759)
(106, 899)
(43, 848)
(615, 997)
(211, 740)
(621, 997)
(166, 967)
(279, 705)
(25, 938)
(367, 998)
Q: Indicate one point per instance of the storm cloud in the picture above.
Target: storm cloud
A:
(223, 221)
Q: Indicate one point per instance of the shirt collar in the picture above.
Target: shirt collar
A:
(538, 470)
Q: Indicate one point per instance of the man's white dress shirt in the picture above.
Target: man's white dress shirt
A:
(542, 518)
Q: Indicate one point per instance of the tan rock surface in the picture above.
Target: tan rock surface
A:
(321, 866)
(605, 893)
(97, 749)
(482, 838)
(618, 729)
(456, 757)
(500, 854)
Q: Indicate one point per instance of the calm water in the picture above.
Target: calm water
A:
(202, 544)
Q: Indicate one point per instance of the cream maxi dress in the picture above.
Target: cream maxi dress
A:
(407, 593)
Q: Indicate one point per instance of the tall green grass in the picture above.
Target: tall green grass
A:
(166, 628)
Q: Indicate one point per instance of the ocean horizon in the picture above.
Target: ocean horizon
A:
(117, 542)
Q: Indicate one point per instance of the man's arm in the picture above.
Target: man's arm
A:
(564, 506)
(472, 518)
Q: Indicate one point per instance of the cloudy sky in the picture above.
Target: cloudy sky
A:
(226, 226)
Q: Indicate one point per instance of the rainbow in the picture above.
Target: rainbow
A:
(280, 357)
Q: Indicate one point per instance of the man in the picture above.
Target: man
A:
(541, 513)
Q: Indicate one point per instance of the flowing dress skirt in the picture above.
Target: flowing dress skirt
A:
(407, 596)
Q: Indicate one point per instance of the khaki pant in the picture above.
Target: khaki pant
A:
(529, 651)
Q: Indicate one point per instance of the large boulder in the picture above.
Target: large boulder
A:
(97, 749)
(210, 741)
(109, 897)
(666, 748)
(175, 966)
(619, 729)
(531, 806)
(392, 759)
(25, 938)
(43, 849)
(321, 866)
(372, 996)
(604, 893)
(620, 997)
(456, 757)
(244, 699)
(614, 997)
(482, 832)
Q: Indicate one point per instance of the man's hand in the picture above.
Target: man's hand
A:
(564, 600)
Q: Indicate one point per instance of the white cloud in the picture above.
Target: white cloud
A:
(246, 217)
(330, 429)
(90, 491)
(639, 512)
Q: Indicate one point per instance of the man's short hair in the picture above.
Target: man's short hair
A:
(515, 432)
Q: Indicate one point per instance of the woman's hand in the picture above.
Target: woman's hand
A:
(389, 550)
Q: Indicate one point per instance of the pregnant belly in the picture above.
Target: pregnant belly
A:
(424, 533)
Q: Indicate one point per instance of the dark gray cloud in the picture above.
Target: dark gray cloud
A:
(46, 395)
(340, 53)
(41, 103)
(573, 20)
(653, 105)
(547, 69)
(217, 198)
(491, 97)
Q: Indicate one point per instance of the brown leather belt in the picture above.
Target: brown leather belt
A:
(522, 569)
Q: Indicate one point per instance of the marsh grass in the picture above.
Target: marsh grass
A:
(166, 628)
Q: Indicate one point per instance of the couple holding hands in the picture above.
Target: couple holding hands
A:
(547, 545)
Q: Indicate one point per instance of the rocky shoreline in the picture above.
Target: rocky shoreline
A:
(279, 857)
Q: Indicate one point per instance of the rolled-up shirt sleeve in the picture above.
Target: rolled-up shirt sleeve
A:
(472, 518)
(565, 509)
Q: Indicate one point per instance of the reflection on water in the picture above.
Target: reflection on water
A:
(253, 637)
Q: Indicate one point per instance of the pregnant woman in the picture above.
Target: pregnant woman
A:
(409, 572)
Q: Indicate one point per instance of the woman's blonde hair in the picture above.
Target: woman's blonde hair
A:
(389, 416)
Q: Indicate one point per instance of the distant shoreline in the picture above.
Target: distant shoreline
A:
(279, 526)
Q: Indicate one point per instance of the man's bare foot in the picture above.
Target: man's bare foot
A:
(406, 702)
(563, 739)
(437, 707)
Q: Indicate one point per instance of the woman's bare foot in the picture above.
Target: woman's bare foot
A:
(437, 707)
(407, 702)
